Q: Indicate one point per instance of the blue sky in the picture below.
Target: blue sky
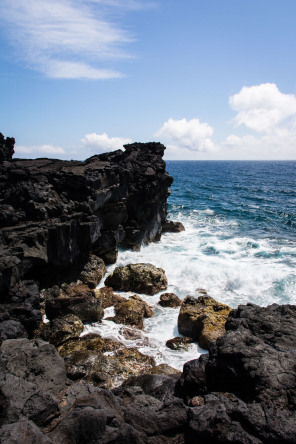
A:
(211, 79)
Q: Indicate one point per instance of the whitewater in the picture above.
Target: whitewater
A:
(239, 244)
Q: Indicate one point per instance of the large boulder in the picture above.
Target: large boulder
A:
(202, 319)
(141, 278)
(35, 361)
(132, 312)
(84, 305)
(63, 329)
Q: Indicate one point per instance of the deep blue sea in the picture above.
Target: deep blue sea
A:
(239, 244)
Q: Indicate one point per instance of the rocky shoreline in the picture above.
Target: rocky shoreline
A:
(60, 223)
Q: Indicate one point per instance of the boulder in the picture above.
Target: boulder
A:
(141, 278)
(107, 297)
(132, 312)
(21, 432)
(60, 330)
(202, 319)
(93, 271)
(91, 342)
(172, 227)
(179, 343)
(169, 300)
(35, 361)
(84, 305)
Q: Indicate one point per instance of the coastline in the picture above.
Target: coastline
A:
(238, 376)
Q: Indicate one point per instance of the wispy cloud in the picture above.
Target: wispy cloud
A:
(67, 38)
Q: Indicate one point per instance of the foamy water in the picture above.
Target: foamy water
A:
(237, 250)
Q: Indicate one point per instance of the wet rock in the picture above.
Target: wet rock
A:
(131, 334)
(179, 343)
(164, 369)
(91, 342)
(84, 305)
(141, 278)
(93, 271)
(132, 312)
(107, 297)
(169, 300)
(172, 227)
(60, 330)
(35, 361)
(202, 319)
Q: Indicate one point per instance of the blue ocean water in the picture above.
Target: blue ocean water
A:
(239, 244)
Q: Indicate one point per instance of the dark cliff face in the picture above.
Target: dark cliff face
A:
(54, 213)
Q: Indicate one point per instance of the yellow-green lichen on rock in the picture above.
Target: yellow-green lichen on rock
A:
(202, 319)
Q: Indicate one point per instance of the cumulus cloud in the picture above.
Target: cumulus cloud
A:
(271, 114)
(262, 107)
(103, 143)
(192, 135)
(67, 38)
(49, 150)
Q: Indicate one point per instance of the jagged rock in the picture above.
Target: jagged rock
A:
(107, 297)
(6, 148)
(93, 271)
(247, 378)
(169, 300)
(179, 343)
(202, 319)
(22, 432)
(92, 342)
(85, 306)
(172, 227)
(60, 330)
(164, 369)
(55, 213)
(141, 278)
(35, 361)
(105, 371)
(20, 313)
(132, 312)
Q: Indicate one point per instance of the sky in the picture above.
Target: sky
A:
(210, 79)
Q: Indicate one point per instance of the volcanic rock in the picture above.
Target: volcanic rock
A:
(172, 227)
(84, 305)
(93, 271)
(107, 297)
(202, 319)
(141, 278)
(179, 343)
(132, 312)
(60, 330)
(169, 300)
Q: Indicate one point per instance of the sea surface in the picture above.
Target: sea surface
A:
(239, 244)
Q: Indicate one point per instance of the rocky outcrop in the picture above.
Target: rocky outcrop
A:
(55, 213)
(132, 312)
(172, 227)
(179, 343)
(84, 305)
(247, 381)
(141, 278)
(202, 319)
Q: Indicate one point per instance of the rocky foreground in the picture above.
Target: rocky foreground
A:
(61, 222)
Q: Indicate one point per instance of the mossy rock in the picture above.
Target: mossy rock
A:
(132, 312)
(202, 319)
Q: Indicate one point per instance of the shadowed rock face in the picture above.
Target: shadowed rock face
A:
(54, 213)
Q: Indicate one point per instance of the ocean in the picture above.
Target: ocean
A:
(239, 244)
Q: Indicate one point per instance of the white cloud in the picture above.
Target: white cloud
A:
(41, 149)
(192, 135)
(104, 143)
(67, 38)
(262, 107)
(272, 115)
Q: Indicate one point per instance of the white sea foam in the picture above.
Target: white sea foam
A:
(210, 255)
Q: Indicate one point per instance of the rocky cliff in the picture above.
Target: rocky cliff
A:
(54, 213)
